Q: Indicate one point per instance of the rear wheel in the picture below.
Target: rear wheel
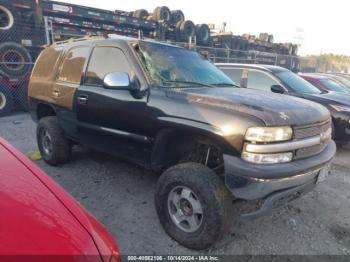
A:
(53, 146)
(193, 205)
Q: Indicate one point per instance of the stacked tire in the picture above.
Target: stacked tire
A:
(141, 13)
(203, 34)
(162, 13)
(265, 37)
(15, 64)
(15, 61)
(185, 30)
(8, 22)
(178, 28)
(288, 49)
(177, 16)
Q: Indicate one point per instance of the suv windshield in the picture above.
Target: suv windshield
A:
(171, 66)
(296, 83)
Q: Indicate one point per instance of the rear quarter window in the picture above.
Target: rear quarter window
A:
(47, 62)
(72, 67)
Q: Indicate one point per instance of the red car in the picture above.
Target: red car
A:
(38, 218)
(325, 83)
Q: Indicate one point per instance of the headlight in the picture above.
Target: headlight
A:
(339, 108)
(269, 134)
(267, 158)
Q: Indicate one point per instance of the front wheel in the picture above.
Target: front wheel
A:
(193, 205)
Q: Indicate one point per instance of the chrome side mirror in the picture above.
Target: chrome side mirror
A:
(117, 80)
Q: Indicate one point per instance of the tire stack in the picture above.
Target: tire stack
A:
(141, 13)
(173, 26)
(265, 37)
(185, 30)
(288, 49)
(15, 60)
(203, 34)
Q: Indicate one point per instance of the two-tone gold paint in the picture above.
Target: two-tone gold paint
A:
(57, 74)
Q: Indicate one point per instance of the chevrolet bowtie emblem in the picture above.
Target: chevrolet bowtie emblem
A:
(284, 116)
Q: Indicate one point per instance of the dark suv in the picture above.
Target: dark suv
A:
(170, 110)
(280, 80)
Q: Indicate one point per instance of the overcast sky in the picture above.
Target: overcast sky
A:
(319, 26)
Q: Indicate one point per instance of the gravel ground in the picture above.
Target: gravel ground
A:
(121, 196)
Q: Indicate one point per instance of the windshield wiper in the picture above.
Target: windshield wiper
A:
(189, 82)
(225, 84)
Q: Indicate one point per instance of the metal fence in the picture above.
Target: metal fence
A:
(19, 48)
(226, 55)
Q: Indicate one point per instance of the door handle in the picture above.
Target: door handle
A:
(56, 92)
(83, 99)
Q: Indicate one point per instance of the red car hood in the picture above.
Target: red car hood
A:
(39, 218)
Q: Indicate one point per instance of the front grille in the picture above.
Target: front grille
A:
(311, 130)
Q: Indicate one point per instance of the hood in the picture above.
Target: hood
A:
(36, 221)
(272, 109)
(329, 98)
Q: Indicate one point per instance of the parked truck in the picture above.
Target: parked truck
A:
(170, 110)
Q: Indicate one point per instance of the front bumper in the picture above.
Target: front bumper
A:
(279, 199)
(253, 181)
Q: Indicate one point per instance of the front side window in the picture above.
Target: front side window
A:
(73, 65)
(105, 60)
(259, 80)
(170, 66)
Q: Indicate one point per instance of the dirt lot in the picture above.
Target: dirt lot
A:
(120, 195)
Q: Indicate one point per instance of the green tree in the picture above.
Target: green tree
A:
(325, 63)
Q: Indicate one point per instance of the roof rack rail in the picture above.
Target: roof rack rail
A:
(116, 36)
(85, 38)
